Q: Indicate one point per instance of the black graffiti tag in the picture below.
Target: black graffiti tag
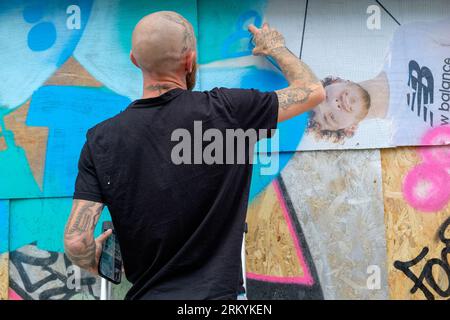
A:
(28, 288)
(427, 271)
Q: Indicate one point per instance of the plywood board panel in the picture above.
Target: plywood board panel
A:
(413, 234)
(338, 201)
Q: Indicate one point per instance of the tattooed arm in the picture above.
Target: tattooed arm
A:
(79, 243)
(305, 91)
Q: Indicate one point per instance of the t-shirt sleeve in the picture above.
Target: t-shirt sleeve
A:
(253, 109)
(87, 186)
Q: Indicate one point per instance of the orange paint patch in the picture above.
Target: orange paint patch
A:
(72, 73)
(2, 141)
(33, 140)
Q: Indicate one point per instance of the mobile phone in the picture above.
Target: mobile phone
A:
(110, 264)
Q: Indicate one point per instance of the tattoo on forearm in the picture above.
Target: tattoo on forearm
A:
(302, 81)
(290, 96)
(79, 232)
(295, 70)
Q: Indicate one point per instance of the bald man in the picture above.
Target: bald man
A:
(179, 224)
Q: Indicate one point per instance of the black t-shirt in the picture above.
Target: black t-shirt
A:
(180, 226)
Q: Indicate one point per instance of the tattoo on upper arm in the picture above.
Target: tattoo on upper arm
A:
(84, 216)
(80, 232)
(292, 95)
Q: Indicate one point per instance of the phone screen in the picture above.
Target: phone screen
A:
(110, 265)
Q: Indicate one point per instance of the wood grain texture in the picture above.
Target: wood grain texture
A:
(4, 276)
(338, 201)
(32, 139)
(72, 73)
(270, 248)
(408, 230)
(2, 141)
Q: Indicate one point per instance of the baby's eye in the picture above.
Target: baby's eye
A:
(332, 117)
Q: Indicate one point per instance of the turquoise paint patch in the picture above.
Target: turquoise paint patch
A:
(4, 226)
(42, 221)
(222, 27)
(15, 173)
(68, 112)
(130, 12)
(259, 181)
(108, 35)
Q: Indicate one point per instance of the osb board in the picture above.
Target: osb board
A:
(4, 276)
(337, 198)
(270, 248)
(409, 231)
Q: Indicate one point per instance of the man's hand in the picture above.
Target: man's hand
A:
(98, 249)
(305, 91)
(80, 245)
(266, 40)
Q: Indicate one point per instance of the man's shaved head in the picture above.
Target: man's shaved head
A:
(161, 42)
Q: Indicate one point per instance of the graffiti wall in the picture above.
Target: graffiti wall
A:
(348, 214)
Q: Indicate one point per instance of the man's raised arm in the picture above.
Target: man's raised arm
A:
(305, 91)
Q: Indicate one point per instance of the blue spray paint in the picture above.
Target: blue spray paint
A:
(42, 221)
(69, 112)
(4, 226)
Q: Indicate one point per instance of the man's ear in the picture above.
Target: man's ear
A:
(133, 59)
(350, 131)
(191, 58)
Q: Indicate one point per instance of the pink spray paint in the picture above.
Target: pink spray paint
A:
(427, 186)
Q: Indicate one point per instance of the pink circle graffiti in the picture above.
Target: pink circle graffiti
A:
(427, 186)
(438, 154)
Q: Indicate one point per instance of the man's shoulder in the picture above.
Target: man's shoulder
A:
(106, 126)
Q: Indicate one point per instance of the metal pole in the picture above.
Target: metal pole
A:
(243, 264)
(244, 274)
(105, 289)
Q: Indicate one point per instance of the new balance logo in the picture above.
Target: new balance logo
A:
(422, 84)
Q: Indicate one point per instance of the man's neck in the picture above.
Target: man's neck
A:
(155, 88)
